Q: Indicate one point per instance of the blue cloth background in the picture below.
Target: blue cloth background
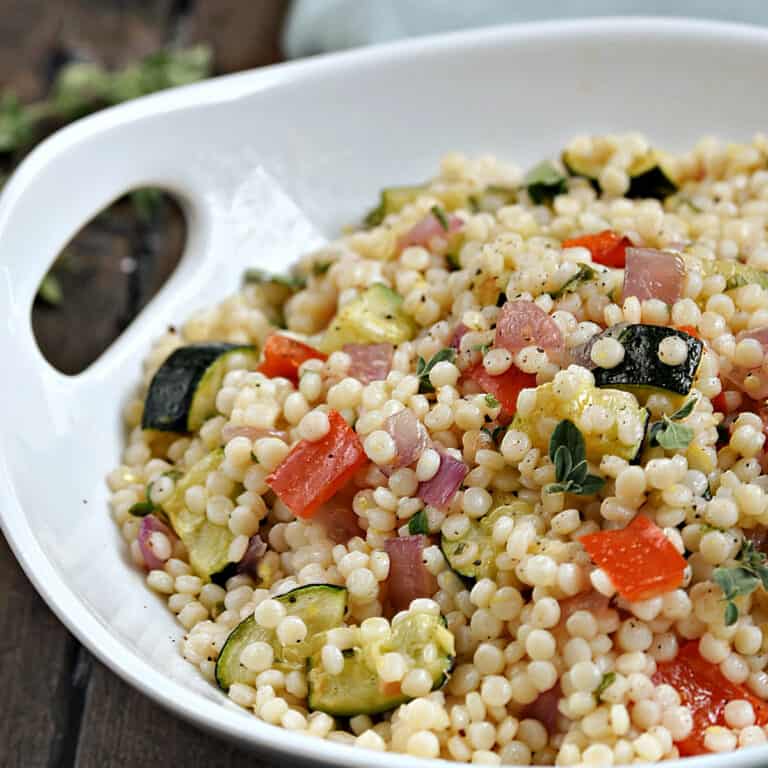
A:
(317, 26)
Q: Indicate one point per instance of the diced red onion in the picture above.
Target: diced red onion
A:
(544, 708)
(410, 436)
(653, 274)
(149, 525)
(439, 491)
(252, 433)
(458, 335)
(428, 229)
(408, 577)
(249, 562)
(338, 518)
(522, 324)
(369, 362)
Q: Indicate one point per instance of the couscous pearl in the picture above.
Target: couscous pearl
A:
(314, 426)
(607, 353)
(380, 447)
(672, 350)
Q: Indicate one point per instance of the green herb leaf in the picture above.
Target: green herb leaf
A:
(418, 523)
(424, 368)
(50, 290)
(555, 488)
(261, 276)
(591, 484)
(672, 436)
(685, 410)
(491, 401)
(142, 509)
(452, 261)
(731, 613)
(567, 452)
(567, 433)
(441, 216)
(605, 683)
(562, 463)
(584, 274)
(544, 182)
(741, 579)
(319, 268)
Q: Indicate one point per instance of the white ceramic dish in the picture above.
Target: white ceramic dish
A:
(331, 131)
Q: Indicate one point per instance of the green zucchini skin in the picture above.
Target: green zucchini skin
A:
(653, 183)
(321, 606)
(178, 381)
(641, 366)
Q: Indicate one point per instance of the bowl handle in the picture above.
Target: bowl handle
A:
(236, 215)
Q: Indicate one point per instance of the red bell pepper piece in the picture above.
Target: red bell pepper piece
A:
(640, 560)
(705, 691)
(505, 387)
(690, 330)
(283, 356)
(313, 472)
(607, 248)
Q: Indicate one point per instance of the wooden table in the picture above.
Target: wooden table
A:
(59, 706)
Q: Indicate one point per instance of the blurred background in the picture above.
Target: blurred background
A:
(60, 60)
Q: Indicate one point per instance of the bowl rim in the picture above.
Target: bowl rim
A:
(70, 609)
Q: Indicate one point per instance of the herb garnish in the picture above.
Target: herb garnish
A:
(568, 454)
(423, 369)
(441, 216)
(260, 276)
(606, 682)
(491, 401)
(452, 260)
(142, 509)
(496, 433)
(319, 268)
(669, 434)
(741, 579)
(419, 523)
(544, 182)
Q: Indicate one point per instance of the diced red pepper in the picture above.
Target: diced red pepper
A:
(705, 691)
(505, 387)
(283, 356)
(690, 330)
(719, 403)
(313, 472)
(640, 560)
(607, 248)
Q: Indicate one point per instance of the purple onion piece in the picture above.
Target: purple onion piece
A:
(439, 491)
(255, 551)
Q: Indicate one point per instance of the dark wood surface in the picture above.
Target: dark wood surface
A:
(59, 707)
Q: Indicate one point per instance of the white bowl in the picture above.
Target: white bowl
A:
(331, 131)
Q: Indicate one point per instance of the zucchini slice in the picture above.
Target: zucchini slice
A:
(549, 409)
(649, 175)
(182, 394)
(544, 182)
(376, 316)
(393, 200)
(207, 543)
(320, 606)
(358, 690)
(641, 368)
(735, 273)
(473, 553)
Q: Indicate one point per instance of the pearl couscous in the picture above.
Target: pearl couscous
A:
(486, 478)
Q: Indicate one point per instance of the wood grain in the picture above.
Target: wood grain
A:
(122, 728)
(37, 660)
